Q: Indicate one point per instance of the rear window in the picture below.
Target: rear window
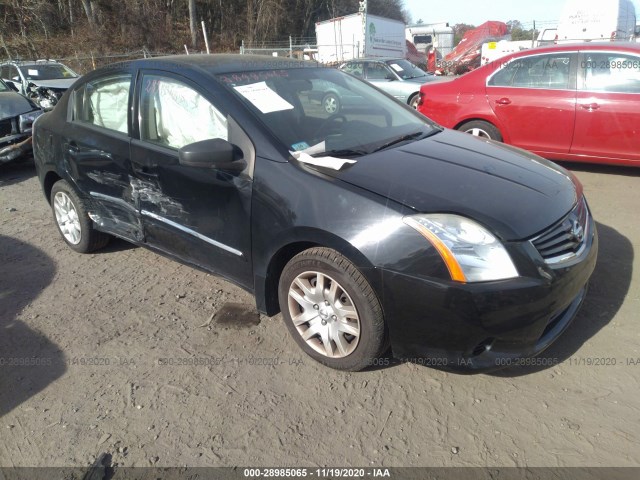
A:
(104, 102)
(540, 71)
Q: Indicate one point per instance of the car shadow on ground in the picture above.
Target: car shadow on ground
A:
(16, 172)
(115, 245)
(29, 361)
(608, 288)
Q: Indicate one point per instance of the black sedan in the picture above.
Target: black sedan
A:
(367, 229)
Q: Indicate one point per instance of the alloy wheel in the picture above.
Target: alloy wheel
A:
(67, 218)
(324, 314)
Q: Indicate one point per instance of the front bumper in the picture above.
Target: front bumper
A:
(15, 151)
(484, 326)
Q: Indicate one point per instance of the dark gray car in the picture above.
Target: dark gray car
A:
(17, 114)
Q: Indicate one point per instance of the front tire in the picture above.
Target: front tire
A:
(482, 129)
(72, 220)
(413, 101)
(331, 103)
(331, 310)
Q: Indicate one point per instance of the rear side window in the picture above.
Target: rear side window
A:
(174, 114)
(9, 72)
(611, 72)
(541, 71)
(104, 102)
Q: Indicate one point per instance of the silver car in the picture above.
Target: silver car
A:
(50, 77)
(396, 76)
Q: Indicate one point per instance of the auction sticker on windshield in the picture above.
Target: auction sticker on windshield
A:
(263, 98)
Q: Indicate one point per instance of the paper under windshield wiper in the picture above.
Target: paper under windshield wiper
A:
(345, 152)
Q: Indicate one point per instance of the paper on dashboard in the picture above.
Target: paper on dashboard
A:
(263, 98)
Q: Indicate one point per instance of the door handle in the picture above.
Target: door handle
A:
(144, 171)
(503, 101)
(590, 106)
(73, 149)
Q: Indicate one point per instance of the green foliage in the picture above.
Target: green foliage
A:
(459, 29)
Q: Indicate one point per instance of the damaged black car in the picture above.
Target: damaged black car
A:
(369, 229)
(17, 114)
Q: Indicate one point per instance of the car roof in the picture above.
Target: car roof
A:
(21, 63)
(376, 59)
(222, 63)
(579, 46)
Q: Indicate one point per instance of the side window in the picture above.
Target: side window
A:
(611, 72)
(541, 71)
(174, 115)
(13, 74)
(354, 68)
(104, 102)
(376, 71)
(504, 76)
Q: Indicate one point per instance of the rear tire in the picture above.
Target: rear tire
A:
(72, 220)
(482, 129)
(339, 324)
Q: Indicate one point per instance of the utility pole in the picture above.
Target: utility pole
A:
(362, 8)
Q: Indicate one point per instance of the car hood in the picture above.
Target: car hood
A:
(421, 80)
(58, 83)
(513, 192)
(13, 104)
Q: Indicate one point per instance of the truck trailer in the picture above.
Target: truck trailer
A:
(359, 35)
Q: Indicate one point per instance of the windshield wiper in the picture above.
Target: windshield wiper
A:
(341, 153)
(406, 138)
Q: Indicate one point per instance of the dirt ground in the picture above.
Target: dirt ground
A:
(115, 352)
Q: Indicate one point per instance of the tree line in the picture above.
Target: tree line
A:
(56, 28)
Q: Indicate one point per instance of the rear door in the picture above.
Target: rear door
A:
(96, 151)
(199, 214)
(534, 99)
(608, 113)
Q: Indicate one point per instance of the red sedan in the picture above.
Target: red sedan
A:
(577, 102)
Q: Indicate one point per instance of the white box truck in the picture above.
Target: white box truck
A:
(427, 35)
(359, 35)
(592, 20)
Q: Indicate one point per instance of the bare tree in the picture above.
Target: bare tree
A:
(193, 20)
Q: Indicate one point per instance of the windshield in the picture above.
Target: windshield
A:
(406, 70)
(323, 111)
(4, 87)
(41, 71)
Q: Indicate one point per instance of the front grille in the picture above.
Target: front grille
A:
(6, 127)
(564, 240)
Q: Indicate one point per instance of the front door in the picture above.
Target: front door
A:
(608, 111)
(200, 215)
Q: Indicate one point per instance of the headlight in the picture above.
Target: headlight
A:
(471, 253)
(26, 120)
(47, 103)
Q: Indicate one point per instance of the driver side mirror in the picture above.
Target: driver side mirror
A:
(12, 86)
(390, 77)
(213, 153)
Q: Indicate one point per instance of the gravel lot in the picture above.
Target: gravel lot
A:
(155, 363)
